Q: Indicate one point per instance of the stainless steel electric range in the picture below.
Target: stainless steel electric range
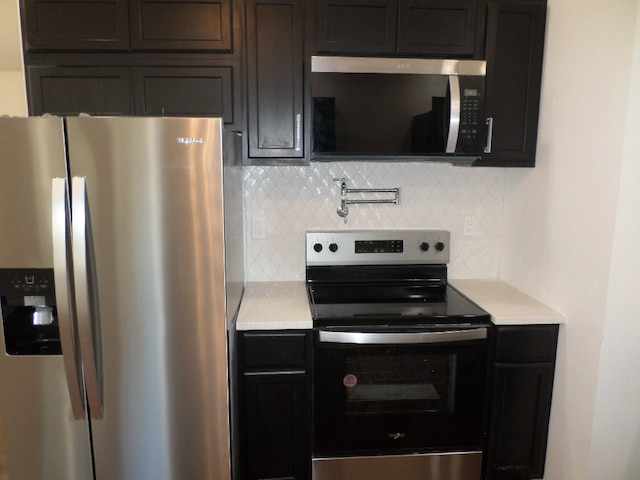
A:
(400, 359)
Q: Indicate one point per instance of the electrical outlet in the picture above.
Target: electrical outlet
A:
(470, 228)
(259, 227)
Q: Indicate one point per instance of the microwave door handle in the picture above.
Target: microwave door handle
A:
(454, 114)
(409, 338)
(88, 308)
(489, 123)
(62, 271)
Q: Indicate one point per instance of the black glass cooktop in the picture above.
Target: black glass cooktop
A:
(418, 305)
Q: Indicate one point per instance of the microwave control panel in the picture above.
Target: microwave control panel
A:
(471, 130)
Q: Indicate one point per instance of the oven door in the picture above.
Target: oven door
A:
(419, 390)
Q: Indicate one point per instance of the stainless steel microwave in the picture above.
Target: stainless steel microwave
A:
(367, 107)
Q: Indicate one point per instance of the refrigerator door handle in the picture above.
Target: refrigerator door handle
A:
(65, 305)
(87, 302)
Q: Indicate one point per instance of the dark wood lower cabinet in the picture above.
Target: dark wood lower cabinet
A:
(275, 412)
(276, 430)
(521, 401)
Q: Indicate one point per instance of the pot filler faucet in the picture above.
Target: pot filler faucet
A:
(343, 209)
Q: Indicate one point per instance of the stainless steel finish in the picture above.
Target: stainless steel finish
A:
(31, 154)
(86, 295)
(343, 209)
(298, 145)
(376, 338)
(420, 66)
(487, 149)
(454, 116)
(42, 439)
(436, 466)
(155, 192)
(345, 243)
(65, 297)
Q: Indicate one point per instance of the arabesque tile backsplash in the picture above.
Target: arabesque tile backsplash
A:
(294, 199)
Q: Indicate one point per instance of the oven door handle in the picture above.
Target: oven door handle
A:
(378, 338)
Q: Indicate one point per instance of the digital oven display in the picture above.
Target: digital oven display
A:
(379, 246)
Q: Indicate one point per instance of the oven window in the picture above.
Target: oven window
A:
(386, 398)
(399, 383)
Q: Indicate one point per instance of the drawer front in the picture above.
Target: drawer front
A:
(273, 351)
(528, 343)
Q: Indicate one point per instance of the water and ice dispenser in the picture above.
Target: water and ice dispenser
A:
(29, 317)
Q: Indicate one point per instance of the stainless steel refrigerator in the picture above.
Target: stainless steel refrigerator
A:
(120, 276)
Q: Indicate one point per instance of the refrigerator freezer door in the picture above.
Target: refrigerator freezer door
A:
(42, 439)
(154, 188)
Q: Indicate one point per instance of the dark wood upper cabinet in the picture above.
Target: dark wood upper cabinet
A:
(104, 25)
(74, 90)
(275, 69)
(203, 25)
(440, 28)
(188, 92)
(51, 25)
(356, 26)
(515, 46)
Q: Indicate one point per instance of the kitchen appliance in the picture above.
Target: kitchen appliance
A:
(400, 359)
(398, 107)
(120, 275)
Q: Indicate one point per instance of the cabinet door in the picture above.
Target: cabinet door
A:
(76, 25)
(74, 90)
(356, 26)
(275, 427)
(515, 44)
(439, 27)
(186, 91)
(275, 70)
(519, 425)
(181, 25)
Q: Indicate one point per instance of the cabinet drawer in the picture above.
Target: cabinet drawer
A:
(266, 350)
(530, 343)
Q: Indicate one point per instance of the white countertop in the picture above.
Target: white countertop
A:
(506, 304)
(284, 305)
(274, 306)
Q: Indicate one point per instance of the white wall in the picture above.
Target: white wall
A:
(13, 99)
(616, 428)
(565, 222)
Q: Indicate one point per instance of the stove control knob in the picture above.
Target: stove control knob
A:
(440, 246)
(424, 246)
(333, 247)
(317, 247)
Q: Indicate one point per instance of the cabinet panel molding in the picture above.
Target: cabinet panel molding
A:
(74, 90)
(181, 25)
(58, 25)
(275, 50)
(185, 91)
(515, 45)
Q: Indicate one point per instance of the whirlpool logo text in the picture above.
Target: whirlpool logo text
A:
(190, 140)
